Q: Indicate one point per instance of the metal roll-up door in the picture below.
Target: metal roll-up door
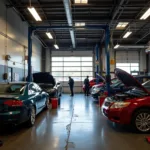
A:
(127, 57)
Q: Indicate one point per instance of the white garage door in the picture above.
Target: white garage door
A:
(76, 67)
(128, 61)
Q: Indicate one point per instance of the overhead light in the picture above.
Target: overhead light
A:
(80, 1)
(127, 34)
(56, 46)
(34, 13)
(79, 24)
(145, 15)
(49, 35)
(117, 46)
(121, 25)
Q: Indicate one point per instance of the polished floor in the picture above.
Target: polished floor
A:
(77, 124)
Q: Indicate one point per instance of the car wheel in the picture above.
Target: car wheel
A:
(141, 120)
(48, 104)
(31, 120)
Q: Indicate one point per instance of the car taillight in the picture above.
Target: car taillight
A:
(13, 103)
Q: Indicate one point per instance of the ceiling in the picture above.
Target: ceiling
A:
(96, 12)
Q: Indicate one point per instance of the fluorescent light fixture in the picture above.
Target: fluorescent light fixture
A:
(80, 24)
(117, 46)
(145, 15)
(34, 13)
(80, 1)
(49, 35)
(121, 25)
(127, 34)
(56, 46)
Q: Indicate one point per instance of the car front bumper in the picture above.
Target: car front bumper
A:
(117, 115)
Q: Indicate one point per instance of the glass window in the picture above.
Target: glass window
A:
(87, 64)
(87, 68)
(135, 65)
(123, 64)
(57, 74)
(76, 74)
(57, 68)
(32, 89)
(72, 68)
(72, 64)
(87, 73)
(57, 64)
(72, 59)
(57, 58)
(87, 59)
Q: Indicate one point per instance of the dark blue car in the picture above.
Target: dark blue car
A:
(21, 102)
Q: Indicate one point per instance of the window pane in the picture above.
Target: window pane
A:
(87, 73)
(57, 68)
(127, 69)
(123, 64)
(134, 68)
(86, 63)
(72, 59)
(59, 79)
(76, 74)
(72, 68)
(57, 58)
(57, 64)
(71, 63)
(87, 69)
(134, 64)
(87, 59)
(57, 74)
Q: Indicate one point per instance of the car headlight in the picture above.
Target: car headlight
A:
(120, 105)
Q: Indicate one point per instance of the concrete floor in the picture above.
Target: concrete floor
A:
(89, 130)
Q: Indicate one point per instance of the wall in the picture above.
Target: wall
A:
(12, 26)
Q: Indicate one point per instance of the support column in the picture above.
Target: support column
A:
(149, 63)
(48, 61)
(29, 79)
(107, 55)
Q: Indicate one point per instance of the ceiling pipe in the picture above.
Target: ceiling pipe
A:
(133, 46)
(67, 6)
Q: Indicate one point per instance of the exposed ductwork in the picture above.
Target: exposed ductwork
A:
(133, 46)
(67, 6)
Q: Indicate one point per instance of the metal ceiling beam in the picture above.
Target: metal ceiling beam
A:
(67, 6)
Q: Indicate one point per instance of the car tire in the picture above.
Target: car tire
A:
(141, 120)
(31, 120)
(48, 104)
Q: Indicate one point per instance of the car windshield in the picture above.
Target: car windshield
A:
(117, 83)
(146, 85)
(12, 88)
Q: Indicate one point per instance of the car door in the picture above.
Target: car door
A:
(35, 95)
(43, 96)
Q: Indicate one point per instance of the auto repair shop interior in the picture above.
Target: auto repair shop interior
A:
(74, 74)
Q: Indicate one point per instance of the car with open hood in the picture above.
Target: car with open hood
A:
(131, 107)
(47, 82)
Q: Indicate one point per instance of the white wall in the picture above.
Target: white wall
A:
(12, 26)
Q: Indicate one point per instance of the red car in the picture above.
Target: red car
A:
(131, 107)
(92, 83)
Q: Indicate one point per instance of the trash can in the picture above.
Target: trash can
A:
(54, 102)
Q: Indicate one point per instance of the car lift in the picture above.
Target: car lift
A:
(90, 27)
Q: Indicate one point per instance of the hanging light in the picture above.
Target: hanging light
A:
(127, 34)
(49, 35)
(117, 46)
(145, 15)
(56, 46)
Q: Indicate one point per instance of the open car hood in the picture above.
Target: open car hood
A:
(129, 80)
(101, 77)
